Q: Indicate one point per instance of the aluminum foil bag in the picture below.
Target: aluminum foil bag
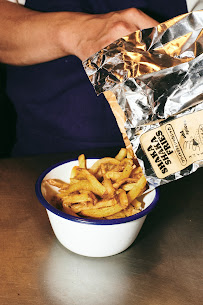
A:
(153, 80)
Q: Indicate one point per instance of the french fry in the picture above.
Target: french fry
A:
(69, 211)
(120, 214)
(131, 210)
(73, 172)
(128, 186)
(97, 164)
(142, 190)
(74, 180)
(119, 182)
(122, 154)
(125, 173)
(102, 212)
(137, 204)
(76, 198)
(108, 190)
(136, 171)
(104, 203)
(126, 161)
(114, 176)
(97, 187)
(77, 208)
(130, 154)
(82, 185)
(121, 166)
(91, 195)
(82, 161)
(135, 191)
(76, 174)
(58, 183)
(123, 199)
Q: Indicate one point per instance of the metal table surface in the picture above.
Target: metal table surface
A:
(162, 267)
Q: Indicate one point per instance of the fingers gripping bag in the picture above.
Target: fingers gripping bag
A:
(153, 81)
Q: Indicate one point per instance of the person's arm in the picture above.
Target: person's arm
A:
(29, 37)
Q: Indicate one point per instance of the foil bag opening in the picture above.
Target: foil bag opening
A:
(153, 80)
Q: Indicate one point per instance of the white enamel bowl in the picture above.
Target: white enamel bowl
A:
(91, 237)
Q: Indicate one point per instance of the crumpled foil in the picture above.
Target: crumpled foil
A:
(156, 75)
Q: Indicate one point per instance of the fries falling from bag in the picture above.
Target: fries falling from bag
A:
(153, 80)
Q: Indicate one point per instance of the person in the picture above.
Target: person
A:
(43, 44)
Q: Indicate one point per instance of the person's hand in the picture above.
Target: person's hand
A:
(87, 34)
(30, 37)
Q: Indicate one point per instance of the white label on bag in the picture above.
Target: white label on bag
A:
(175, 145)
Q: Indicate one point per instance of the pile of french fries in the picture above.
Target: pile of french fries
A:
(107, 190)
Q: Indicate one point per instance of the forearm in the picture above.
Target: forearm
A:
(29, 37)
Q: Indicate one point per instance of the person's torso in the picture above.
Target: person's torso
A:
(56, 105)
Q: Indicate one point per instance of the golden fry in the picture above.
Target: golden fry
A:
(73, 172)
(122, 154)
(123, 199)
(104, 203)
(69, 211)
(131, 210)
(126, 161)
(114, 176)
(82, 161)
(82, 185)
(78, 207)
(76, 198)
(135, 191)
(102, 212)
(108, 190)
(137, 204)
(57, 182)
(120, 214)
(74, 180)
(130, 154)
(126, 172)
(119, 182)
(128, 186)
(97, 164)
(136, 172)
(91, 195)
(97, 187)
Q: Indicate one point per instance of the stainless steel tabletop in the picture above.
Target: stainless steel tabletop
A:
(162, 267)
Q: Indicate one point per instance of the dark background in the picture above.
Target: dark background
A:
(7, 118)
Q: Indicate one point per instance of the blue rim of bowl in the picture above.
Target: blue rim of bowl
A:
(59, 213)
